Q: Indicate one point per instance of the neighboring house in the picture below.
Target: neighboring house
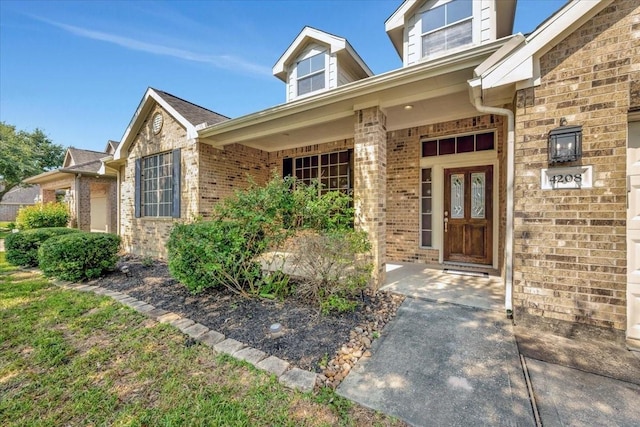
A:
(90, 193)
(15, 199)
(448, 157)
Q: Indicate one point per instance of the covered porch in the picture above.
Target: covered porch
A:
(455, 284)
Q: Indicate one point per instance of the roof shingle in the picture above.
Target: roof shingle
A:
(193, 113)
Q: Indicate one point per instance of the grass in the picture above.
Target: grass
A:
(4, 229)
(73, 358)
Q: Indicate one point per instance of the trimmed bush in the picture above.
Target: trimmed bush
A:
(22, 247)
(42, 215)
(79, 256)
(215, 253)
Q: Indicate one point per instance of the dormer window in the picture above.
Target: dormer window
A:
(447, 27)
(310, 74)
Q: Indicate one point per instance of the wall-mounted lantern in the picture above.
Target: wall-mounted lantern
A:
(565, 143)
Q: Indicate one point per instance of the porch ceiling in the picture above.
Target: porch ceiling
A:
(436, 91)
(437, 100)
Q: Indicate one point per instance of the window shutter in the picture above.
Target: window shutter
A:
(351, 170)
(287, 167)
(176, 183)
(138, 189)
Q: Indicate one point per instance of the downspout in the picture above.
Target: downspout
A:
(475, 92)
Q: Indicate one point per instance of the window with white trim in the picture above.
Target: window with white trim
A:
(426, 209)
(311, 74)
(157, 185)
(332, 170)
(447, 27)
(458, 144)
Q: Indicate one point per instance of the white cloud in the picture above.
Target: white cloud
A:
(229, 62)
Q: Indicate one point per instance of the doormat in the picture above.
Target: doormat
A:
(466, 273)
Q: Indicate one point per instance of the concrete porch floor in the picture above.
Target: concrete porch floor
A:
(432, 283)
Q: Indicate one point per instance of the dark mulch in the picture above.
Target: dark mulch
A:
(309, 336)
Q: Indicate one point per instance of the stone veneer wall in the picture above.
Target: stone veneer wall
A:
(403, 184)
(570, 249)
(148, 236)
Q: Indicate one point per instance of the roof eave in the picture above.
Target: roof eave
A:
(354, 89)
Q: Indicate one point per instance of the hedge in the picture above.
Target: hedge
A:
(43, 215)
(79, 256)
(22, 247)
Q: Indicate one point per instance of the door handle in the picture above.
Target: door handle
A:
(446, 225)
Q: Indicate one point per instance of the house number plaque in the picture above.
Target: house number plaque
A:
(566, 178)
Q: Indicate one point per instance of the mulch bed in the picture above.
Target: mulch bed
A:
(309, 338)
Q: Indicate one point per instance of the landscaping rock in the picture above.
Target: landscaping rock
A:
(183, 324)
(196, 330)
(211, 338)
(273, 364)
(298, 379)
(250, 354)
(168, 318)
(228, 346)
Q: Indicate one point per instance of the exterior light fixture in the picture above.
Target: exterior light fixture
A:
(408, 107)
(565, 143)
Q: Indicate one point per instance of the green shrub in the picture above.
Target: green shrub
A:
(226, 251)
(42, 215)
(332, 268)
(215, 253)
(22, 247)
(79, 256)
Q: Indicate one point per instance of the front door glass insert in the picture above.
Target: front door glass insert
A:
(457, 195)
(477, 195)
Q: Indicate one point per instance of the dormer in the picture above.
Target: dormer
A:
(317, 61)
(425, 30)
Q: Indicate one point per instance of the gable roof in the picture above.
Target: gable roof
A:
(77, 156)
(394, 25)
(522, 65)
(337, 45)
(187, 114)
(111, 147)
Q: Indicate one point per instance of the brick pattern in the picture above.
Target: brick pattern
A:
(370, 183)
(223, 171)
(82, 189)
(403, 184)
(570, 250)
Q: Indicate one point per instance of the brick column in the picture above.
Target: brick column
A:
(48, 196)
(83, 203)
(370, 182)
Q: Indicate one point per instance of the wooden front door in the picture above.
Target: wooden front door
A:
(468, 214)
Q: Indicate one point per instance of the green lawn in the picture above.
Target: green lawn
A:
(73, 358)
(4, 230)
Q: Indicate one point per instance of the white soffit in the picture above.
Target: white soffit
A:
(522, 65)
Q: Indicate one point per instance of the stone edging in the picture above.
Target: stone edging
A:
(288, 375)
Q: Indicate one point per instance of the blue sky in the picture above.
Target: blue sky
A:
(78, 69)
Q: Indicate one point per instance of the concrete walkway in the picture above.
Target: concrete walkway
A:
(444, 365)
(451, 358)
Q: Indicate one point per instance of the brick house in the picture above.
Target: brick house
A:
(86, 186)
(448, 157)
